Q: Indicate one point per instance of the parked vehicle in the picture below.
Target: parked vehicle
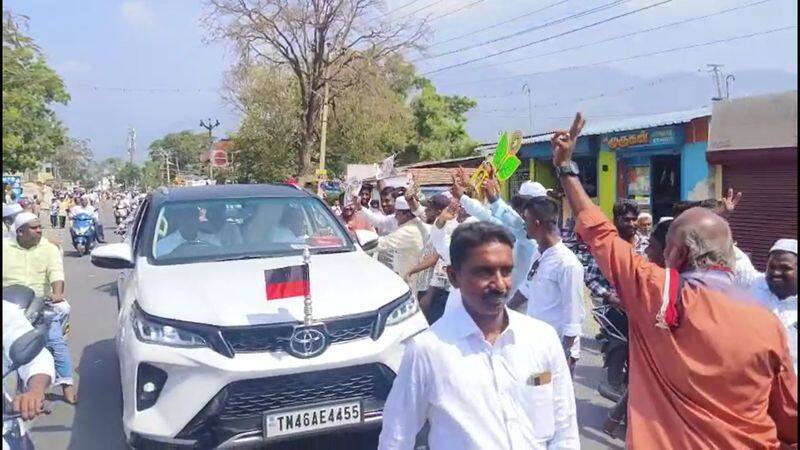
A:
(84, 235)
(222, 339)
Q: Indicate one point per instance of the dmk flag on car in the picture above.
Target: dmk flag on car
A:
(286, 282)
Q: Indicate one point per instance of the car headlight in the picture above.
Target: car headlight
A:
(403, 311)
(395, 312)
(154, 332)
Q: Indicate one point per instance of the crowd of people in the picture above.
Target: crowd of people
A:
(713, 357)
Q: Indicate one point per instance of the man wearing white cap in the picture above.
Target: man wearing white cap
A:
(501, 213)
(10, 211)
(405, 245)
(776, 289)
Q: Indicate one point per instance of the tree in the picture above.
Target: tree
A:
(183, 149)
(152, 175)
(110, 166)
(129, 175)
(31, 131)
(73, 161)
(439, 125)
(316, 41)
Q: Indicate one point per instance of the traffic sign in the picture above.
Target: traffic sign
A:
(219, 158)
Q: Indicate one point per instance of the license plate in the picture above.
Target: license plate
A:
(299, 421)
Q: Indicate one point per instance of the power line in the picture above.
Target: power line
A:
(642, 55)
(601, 95)
(401, 7)
(450, 13)
(479, 30)
(548, 38)
(527, 30)
(622, 36)
(417, 10)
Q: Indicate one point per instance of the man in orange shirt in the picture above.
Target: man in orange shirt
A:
(710, 369)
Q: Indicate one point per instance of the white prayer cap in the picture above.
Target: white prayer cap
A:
(401, 204)
(23, 219)
(785, 245)
(10, 210)
(532, 189)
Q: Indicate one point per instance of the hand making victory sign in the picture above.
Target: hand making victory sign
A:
(564, 142)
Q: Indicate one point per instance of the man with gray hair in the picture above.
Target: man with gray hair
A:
(709, 368)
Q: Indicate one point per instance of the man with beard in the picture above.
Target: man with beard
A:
(709, 369)
(483, 376)
(776, 289)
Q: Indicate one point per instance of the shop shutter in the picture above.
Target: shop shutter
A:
(768, 210)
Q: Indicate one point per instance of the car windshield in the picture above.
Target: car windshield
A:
(244, 228)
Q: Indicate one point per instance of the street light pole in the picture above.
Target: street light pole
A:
(527, 90)
(209, 126)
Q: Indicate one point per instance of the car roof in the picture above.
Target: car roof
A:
(223, 191)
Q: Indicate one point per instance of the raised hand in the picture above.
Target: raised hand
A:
(564, 142)
(458, 184)
(730, 201)
(491, 189)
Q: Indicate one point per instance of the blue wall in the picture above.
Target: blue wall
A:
(694, 172)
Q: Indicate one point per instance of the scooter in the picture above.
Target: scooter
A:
(613, 339)
(24, 349)
(83, 233)
(120, 213)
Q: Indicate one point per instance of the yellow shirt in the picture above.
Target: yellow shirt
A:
(36, 267)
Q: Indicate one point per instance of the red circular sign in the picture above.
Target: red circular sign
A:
(220, 158)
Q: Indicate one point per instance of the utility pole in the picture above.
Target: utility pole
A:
(131, 143)
(209, 126)
(716, 74)
(527, 90)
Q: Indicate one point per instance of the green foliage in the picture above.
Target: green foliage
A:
(439, 125)
(73, 161)
(31, 131)
(129, 175)
(184, 149)
(152, 175)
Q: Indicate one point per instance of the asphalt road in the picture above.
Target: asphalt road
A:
(94, 423)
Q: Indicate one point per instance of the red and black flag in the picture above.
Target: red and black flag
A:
(287, 282)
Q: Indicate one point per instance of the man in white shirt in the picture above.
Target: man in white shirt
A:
(387, 222)
(404, 246)
(554, 287)
(186, 223)
(37, 374)
(85, 208)
(483, 376)
(776, 289)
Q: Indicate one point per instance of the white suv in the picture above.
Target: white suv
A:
(216, 344)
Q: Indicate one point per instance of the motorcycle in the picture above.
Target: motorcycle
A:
(24, 349)
(83, 233)
(120, 213)
(613, 338)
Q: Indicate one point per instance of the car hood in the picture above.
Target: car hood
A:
(233, 293)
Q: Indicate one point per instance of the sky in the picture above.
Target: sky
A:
(149, 65)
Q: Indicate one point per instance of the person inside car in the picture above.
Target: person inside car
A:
(291, 227)
(186, 220)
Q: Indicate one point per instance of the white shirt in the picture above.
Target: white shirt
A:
(88, 209)
(15, 325)
(555, 293)
(785, 309)
(404, 247)
(479, 396)
(169, 243)
(744, 272)
(385, 224)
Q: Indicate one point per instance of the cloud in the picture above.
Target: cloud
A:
(137, 13)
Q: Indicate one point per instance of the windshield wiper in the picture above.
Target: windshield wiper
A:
(243, 257)
(325, 251)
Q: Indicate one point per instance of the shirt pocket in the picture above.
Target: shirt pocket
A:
(538, 404)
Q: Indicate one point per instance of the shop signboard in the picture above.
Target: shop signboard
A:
(641, 139)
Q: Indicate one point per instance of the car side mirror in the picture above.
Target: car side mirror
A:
(113, 256)
(367, 239)
(26, 347)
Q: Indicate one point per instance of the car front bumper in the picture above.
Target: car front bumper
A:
(211, 400)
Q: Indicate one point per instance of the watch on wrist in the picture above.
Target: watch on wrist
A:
(568, 168)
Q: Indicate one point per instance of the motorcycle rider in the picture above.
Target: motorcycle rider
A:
(85, 208)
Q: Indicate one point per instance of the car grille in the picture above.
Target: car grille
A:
(239, 406)
(271, 338)
(254, 397)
